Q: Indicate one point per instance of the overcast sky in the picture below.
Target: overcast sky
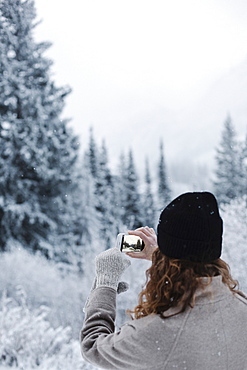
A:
(144, 70)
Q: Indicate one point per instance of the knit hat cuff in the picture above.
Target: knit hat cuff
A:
(197, 251)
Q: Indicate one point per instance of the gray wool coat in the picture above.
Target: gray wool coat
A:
(210, 336)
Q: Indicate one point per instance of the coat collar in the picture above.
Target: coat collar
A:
(214, 291)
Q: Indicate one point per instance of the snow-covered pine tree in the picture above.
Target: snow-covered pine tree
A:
(38, 151)
(93, 155)
(164, 192)
(119, 186)
(90, 179)
(228, 171)
(90, 219)
(234, 214)
(148, 206)
(243, 168)
(100, 187)
(132, 216)
(106, 200)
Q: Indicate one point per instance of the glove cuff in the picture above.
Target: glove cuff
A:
(106, 280)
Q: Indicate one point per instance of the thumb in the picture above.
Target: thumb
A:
(122, 287)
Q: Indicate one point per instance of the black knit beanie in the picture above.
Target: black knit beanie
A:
(191, 228)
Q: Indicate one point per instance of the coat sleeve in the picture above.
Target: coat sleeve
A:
(100, 345)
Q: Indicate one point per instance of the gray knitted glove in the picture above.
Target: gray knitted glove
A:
(110, 265)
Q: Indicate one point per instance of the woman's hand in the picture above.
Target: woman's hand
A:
(149, 237)
(109, 266)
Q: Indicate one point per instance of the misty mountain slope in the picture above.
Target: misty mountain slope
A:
(191, 132)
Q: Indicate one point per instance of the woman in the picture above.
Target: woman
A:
(190, 314)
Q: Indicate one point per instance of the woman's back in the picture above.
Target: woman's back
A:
(211, 335)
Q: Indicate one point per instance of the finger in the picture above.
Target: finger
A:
(148, 233)
(147, 230)
(143, 230)
(137, 232)
(136, 255)
(138, 229)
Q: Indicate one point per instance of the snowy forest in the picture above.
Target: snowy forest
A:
(60, 205)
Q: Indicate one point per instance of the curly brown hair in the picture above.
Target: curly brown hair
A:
(173, 283)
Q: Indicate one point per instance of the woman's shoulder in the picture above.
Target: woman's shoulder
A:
(157, 322)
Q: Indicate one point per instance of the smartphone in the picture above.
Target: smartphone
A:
(129, 243)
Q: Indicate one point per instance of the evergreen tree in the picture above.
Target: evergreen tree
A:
(106, 203)
(38, 152)
(132, 217)
(164, 192)
(243, 167)
(89, 219)
(104, 178)
(93, 155)
(148, 206)
(228, 178)
(103, 193)
(120, 195)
